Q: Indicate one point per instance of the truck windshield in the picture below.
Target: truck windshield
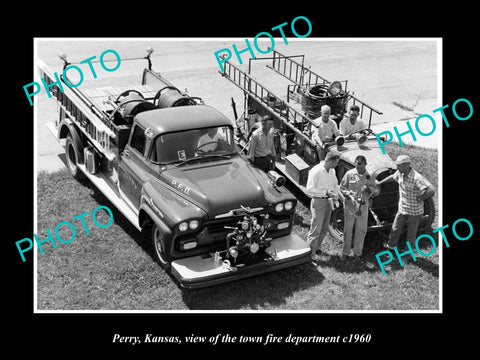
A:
(183, 145)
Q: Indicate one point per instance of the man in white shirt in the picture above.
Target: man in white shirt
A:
(212, 137)
(327, 130)
(321, 185)
(352, 122)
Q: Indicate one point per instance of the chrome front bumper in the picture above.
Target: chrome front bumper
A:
(202, 271)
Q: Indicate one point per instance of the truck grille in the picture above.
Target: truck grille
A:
(215, 231)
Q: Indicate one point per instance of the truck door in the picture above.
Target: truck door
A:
(131, 167)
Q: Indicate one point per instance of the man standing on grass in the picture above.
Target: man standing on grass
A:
(413, 189)
(358, 187)
(321, 185)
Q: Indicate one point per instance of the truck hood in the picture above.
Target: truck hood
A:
(377, 162)
(218, 186)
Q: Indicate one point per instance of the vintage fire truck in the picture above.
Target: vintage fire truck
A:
(171, 166)
(296, 116)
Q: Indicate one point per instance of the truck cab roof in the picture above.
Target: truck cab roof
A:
(181, 118)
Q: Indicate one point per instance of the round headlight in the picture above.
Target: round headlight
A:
(289, 205)
(193, 225)
(279, 207)
(183, 226)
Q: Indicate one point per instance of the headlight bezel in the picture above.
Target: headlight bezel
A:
(279, 207)
(193, 224)
(183, 226)
(284, 206)
(290, 204)
(190, 225)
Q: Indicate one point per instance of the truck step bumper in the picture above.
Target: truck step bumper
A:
(198, 271)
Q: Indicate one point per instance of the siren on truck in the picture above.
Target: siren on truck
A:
(64, 78)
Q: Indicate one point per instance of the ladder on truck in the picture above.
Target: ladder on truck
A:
(283, 111)
(91, 120)
(304, 77)
(94, 122)
(299, 124)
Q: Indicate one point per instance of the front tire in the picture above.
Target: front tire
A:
(335, 228)
(160, 248)
(72, 156)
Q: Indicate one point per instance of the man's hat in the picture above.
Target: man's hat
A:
(402, 159)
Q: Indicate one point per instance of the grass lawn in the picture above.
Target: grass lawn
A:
(114, 268)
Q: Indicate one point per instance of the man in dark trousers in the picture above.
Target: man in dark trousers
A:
(413, 189)
(262, 147)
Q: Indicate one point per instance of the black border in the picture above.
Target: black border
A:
(89, 333)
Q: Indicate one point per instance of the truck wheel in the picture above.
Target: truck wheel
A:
(335, 228)
(72, 156)
(160, 248)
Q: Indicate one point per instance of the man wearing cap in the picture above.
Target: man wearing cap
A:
(358, 187)
(321, 185)
(327, 130)
(413, 189)
(262, 147)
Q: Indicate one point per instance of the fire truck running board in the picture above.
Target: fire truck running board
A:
(204, 271)
(101, 183)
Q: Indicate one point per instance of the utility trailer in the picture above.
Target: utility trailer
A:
(295, 118)
(212, 216)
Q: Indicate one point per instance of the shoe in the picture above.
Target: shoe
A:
(315, 257)
(386, 246)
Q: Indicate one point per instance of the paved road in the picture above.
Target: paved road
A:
(382, 73)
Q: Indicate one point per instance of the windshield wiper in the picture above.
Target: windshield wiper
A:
(201, 158)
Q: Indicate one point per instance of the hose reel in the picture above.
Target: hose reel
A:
(131, 103)
(316, 96)
(170, 96)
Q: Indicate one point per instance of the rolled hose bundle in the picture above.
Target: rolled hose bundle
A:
(313, 99)
(316, 96)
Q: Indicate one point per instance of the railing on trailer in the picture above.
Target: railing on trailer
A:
(283, 64)
(289, 116)
(303, 76)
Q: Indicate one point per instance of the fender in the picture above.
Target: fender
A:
(68, 127)
(146, 211)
